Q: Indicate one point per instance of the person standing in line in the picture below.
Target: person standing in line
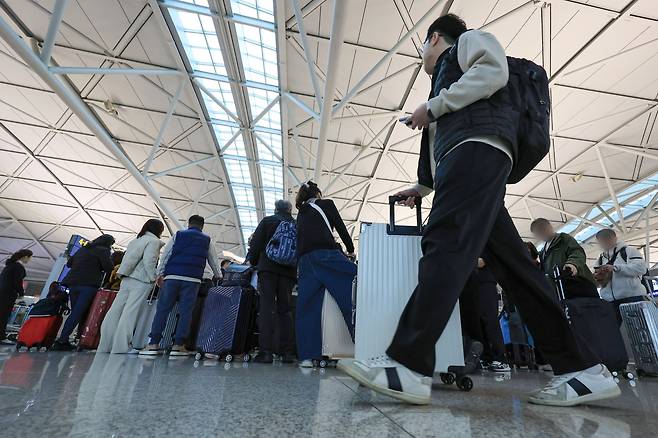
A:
(114, 280)
(11, 288)
(275, 283)
(179, 276)
(322, 266)
(560, 249)
(619, 272)
(137, 276)
(466, 156)
(89, 266)
(493, 357)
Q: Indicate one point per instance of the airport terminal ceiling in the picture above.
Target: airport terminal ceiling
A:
(115, 111)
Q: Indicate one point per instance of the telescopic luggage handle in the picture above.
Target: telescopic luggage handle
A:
(404, 230)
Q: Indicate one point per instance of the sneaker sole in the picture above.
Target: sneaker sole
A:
(176, 354)
(603, 395)
(407, 398)
(150, 353)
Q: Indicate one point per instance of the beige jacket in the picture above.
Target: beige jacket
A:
(141, 258)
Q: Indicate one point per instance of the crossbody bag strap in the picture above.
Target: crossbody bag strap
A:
(311, 202)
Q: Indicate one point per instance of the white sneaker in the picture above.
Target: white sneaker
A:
(386, 376)
(595, 383)
(499, 367)
(545, 368)
(306, 363)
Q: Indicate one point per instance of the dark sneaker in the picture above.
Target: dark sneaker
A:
(264, 357)
(63, 346)
(7, 342)
(499, 367)
(288, 357)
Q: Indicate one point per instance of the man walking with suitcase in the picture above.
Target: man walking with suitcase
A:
(467, 154)
(181, 267)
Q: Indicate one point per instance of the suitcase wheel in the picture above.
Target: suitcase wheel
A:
(228, 358)
(447, 378)
(465, 384)
(629, 376)
(198, 356)
(322, 363)
(18, 346)
(246, 358)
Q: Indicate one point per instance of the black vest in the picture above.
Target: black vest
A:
(494, 116)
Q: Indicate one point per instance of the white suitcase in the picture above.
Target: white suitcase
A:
(336, 340)
(387, 276)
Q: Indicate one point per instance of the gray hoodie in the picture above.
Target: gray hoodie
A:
(626, 277)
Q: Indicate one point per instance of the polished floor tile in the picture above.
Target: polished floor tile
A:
(84, 395)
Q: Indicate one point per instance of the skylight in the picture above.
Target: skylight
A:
(632, 200)
(257, 52)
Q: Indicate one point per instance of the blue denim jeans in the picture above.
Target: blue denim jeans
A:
(81, 299)
(319, 270)
(185, 292)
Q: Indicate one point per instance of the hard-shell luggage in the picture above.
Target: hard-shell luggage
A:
(519, 345)
(594, 325)
(197, 311)
(39, 332)
(18, 316)
(228, 322)
(169, 331)
(336, 339)
(90, 335)
(386, 278)
(641, 321)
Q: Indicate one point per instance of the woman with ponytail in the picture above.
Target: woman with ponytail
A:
(11, 287)
(322, 266)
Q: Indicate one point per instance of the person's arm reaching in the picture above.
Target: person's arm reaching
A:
(213, 261)
(164, 258)
(334, 218)
(18, 275)
(484, 63)
(576, 256)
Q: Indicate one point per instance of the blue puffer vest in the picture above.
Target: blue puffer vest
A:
(494, 116)
(189, 254)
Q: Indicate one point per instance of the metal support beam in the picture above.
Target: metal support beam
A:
(53, 29)
(163, 128)
(359, 85)
(114, 71)
(181, 167)
(562, 70)
(216, 100)
(611, 189)
(307, 52)
(81, 110)
(294, 99)
(563, 211)
(333, 64)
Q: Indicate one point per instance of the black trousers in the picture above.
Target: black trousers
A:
(494, 348)
(468, 215)
(469, 311)
(7, 302)
(275, 323)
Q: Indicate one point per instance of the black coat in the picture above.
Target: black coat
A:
(89, 266)
(262, 236)
(11, 280)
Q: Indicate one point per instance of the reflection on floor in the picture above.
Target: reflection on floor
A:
(83, 395)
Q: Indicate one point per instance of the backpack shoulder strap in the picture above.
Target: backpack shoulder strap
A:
(311, 203)
(623, 254)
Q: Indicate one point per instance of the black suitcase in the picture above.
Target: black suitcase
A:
(594, 325)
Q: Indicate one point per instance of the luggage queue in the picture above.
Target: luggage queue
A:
(467, 165)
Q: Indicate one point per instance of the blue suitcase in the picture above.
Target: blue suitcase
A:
(227, 323)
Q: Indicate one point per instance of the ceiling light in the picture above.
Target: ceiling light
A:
(577, 177)
(110, 108)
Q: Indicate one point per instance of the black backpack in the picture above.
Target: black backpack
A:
(528, 89)
(645, 279)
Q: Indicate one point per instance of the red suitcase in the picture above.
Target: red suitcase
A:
(39, 331)
(91, 331)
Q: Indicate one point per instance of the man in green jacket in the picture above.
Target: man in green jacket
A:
(560, 250)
